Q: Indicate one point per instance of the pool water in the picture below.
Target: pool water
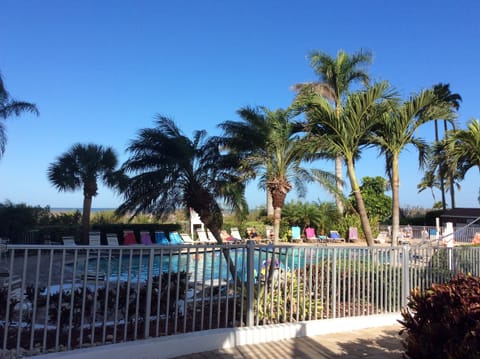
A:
(204, 264)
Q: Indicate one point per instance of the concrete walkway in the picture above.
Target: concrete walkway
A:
(380, 342)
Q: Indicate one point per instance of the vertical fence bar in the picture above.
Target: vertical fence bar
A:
(334, 282)
(148, 304)
(406, 275)
(250, 282)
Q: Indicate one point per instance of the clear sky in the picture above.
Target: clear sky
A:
(101, 70)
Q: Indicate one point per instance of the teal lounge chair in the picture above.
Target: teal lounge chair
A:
(161, 238)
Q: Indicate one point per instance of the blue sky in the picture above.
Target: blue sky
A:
(101, 70)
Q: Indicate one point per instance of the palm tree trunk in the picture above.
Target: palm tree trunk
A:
(276, 224)
(339, 175)
(442, 180)
(395, 201)
(339, 167)
(361, 205)
(451, 177)
(87, 208)
(270, 211)
(226, 254)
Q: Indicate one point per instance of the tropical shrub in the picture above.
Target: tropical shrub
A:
(444, 320)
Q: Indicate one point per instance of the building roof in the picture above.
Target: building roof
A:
(461, 213)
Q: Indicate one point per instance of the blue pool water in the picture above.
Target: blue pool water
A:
(205, 264)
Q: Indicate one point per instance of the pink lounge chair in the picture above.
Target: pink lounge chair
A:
(129, 238)
(310, 233)
(352, 234)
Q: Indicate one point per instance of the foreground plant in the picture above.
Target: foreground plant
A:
(444, 321)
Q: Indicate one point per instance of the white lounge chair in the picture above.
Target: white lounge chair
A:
(211, 237)
(203, 237)
(381, 238)
(186, 238)
(235, 233)
(69, 241)
(94, 238)
(112, 239)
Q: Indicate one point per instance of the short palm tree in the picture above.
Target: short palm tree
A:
(336, 75)
(348, 135)
(276, 159)
(9, 107)
(397, 130)
(171, 171)
(463, 147)
(82, 167)
(440, 169)
(429, 180)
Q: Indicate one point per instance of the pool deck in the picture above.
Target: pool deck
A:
(374, 343)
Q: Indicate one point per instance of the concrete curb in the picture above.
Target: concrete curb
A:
(208, 340)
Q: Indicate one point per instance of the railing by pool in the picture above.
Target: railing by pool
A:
(57, 298)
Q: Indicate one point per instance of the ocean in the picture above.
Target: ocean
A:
(73, 209)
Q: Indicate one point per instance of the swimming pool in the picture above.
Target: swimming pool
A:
(210, 263)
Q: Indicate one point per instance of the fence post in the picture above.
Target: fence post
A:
(148, 304)
(406, 274)
(334, 283)
(250, 282)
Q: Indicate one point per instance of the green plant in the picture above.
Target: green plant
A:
(444, 320)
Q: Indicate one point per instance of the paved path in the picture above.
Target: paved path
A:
(377, 343)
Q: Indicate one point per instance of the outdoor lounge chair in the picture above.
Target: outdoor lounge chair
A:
(335, 237)
(145, 238)
(94, 238)
(203, 237)
(112, 239)
(296, 234)
(175, 238)
(310, 234)
(235, 233)
(211, 237)
(381, 238)
(352, 234)
(186, 238)
(161, 238)
(69, 241)
(129, 238)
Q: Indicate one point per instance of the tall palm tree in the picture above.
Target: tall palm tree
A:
(271, 149)
(82, 167)
(336, 76)
(397, 131)
(443, 93)
(9, 107)
(346, 135)
(171, 171)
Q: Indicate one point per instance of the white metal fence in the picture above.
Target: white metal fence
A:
(57, 298)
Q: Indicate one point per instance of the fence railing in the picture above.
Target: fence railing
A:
(57, 298)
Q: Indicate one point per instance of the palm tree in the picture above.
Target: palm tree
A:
(336, 76)
(397, 131)
(270, 148)
(81, 167)
(440, 167)
(171, 171)
(443, 93)
(346, 135)
(9, 107)
(463, 147)
(429, 180)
